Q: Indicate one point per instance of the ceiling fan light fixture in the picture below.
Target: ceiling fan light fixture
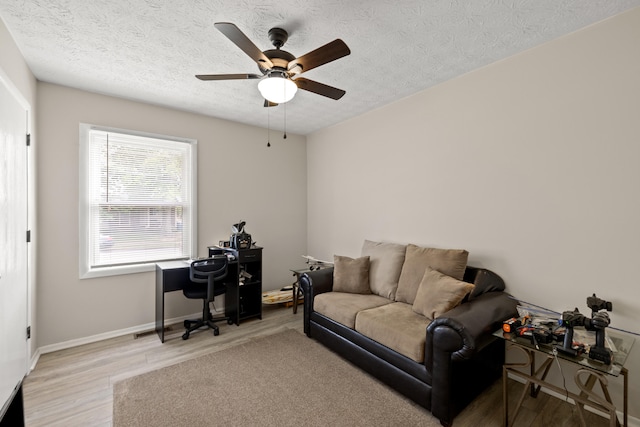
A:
(277, 88)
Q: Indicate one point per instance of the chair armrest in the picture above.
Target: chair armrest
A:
(468, 327)
(314, 283)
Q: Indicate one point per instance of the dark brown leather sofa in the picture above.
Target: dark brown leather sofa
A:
(461, 358)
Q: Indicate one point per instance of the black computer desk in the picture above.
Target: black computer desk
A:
(243, 298)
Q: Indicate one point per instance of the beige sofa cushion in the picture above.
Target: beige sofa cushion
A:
(395, 326)
(439, 293)
(386, 261)
(351, 275)
(451, 262)
(343, 307)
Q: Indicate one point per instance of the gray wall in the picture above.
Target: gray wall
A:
(530, 163)
(238, 178)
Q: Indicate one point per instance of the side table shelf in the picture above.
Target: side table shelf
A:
(588, 373)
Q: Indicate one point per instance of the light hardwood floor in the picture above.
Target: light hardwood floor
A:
(74, 387)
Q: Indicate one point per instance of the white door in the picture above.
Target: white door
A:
(13, 241)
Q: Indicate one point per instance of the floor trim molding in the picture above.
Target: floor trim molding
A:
(104, 336)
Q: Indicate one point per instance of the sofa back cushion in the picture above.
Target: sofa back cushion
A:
(451, 262)
(351, 275)
(439, 293)
(386, 261)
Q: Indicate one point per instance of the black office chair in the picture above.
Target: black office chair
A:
(210, 271)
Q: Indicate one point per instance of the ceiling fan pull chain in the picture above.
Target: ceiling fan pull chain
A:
(268, 128)
(285, 122)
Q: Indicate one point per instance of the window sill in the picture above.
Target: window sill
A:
(90, 273)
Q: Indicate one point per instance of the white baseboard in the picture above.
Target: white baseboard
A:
(632, 421)
(34, 359)
(107, 335)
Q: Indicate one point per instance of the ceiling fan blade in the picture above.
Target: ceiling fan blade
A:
(322, 55)
(234, 34)
(269, 104)
(228, 76)
(319, 88)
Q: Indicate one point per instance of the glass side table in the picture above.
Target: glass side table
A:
(589, 371)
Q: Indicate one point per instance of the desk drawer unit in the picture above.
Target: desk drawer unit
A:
(249, 255)
(244, 300)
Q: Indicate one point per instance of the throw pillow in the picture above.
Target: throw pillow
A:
(451, 262)
(351, 275)
(439, 293)
(385, 266)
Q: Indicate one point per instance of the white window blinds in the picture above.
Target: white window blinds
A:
(138, 199)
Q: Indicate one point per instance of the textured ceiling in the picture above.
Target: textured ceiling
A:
(150, 50)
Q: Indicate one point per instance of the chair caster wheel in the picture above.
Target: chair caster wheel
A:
(185, 336)
(216, 332)
(229, 322)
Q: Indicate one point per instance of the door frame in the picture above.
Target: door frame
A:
(31, 214)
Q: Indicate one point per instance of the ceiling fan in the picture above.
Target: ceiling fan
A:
(280, 69)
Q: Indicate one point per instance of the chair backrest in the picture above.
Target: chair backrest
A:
(208, 271)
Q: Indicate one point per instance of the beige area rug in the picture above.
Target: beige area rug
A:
(285, 379)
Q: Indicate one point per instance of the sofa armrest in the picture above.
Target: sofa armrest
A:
(468, 327)
(458, 335)
(313, 283)
(317, 281)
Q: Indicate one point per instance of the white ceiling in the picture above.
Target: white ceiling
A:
(150, 50)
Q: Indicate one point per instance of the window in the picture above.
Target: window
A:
(137, 200)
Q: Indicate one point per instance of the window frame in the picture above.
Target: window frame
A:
(84, 214)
